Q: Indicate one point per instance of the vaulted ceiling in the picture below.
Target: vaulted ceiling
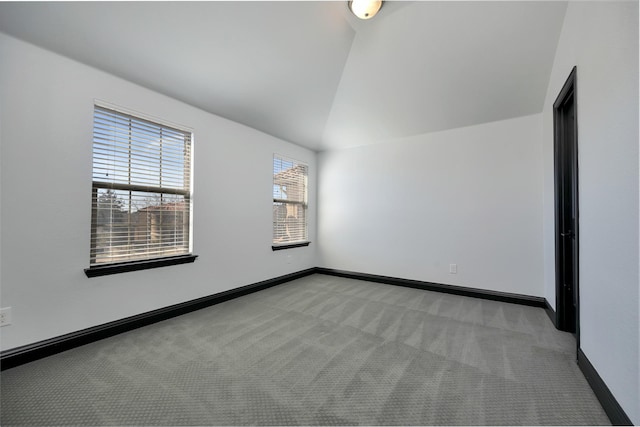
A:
(310, 72)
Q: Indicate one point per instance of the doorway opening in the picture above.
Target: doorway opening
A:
(565, 125)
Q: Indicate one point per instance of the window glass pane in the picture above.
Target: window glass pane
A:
(129, 151)
(133, 225)
(289, 223)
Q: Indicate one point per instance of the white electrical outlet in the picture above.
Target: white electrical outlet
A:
(5, 316)
(453, 268)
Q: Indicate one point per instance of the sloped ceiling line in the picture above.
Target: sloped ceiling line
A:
(308, 71)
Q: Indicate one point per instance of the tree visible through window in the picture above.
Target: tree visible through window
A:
(141, 189)
(289, 201)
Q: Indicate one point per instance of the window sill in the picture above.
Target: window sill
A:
(123, 267)
(290, 246)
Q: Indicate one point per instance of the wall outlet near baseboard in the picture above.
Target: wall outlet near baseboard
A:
(453, 268)
(5, 316)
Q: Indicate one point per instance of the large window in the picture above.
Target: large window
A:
(141, 199)
(289, 203)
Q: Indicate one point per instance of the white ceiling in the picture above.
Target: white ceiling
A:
(309, 72)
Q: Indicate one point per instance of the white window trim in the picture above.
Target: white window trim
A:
(152, 261)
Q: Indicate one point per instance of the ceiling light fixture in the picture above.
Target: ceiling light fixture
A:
(365, 9)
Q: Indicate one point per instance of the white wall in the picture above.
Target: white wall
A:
(46, 107)
(601, 38)
(470, 196)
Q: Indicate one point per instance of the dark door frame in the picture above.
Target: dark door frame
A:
(564, 320)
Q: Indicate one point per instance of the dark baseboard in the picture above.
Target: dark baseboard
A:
(614, 411)
(28, 353)
(550, 312)
(438, 287)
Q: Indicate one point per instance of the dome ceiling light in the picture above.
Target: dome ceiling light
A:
(365, 9)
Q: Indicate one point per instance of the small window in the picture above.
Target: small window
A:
(289, 203)
(141, 198)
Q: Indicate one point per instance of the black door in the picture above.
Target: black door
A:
(566, 206)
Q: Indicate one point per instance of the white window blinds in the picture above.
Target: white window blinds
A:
(289, 201)
(141, 189)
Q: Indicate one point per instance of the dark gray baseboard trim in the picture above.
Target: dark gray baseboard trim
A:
(438, 287)
(550, 312)
(28, 353)
(611, 407)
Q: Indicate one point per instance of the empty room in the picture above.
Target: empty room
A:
(319, 213)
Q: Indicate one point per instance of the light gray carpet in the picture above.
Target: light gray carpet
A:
(317, 351)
